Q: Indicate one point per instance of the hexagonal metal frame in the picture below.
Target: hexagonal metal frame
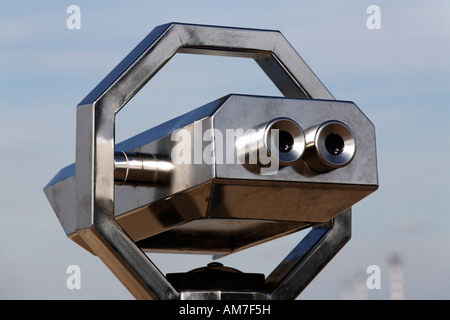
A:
(94, 175)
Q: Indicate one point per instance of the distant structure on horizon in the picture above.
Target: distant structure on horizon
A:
(396, 278)
(356, 289)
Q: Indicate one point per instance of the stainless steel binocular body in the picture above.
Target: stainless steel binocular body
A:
(234, 173)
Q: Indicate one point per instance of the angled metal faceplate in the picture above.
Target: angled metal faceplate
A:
(240, 113)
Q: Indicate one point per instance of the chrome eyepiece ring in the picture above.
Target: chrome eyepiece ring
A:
(330, 145)
(285, 140)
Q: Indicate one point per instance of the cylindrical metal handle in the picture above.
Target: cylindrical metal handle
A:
(132, 168)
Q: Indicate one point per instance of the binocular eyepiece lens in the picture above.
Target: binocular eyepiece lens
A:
(330, 145)
(283, 140)
(333, 143)
(286, 141)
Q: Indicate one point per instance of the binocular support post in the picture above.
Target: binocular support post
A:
(309, 257)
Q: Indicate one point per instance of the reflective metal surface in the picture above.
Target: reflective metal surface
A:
(213, 201)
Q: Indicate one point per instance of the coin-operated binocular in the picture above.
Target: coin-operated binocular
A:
(234, 173)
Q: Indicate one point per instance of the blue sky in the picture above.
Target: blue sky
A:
(399, 76)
